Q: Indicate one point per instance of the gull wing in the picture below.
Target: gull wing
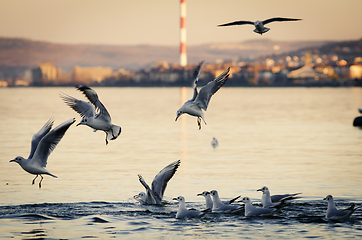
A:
(261, 211)
(343, 213)
(195, 76)
(85, 109)
(236, 23)
(48, 143)
(233, 200)
(284, 197)
(160, 181)
(279, 19)
(39, 135)
(203, 98)
(148, 189)
(93, 98)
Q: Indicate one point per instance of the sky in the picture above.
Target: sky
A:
(157, 22)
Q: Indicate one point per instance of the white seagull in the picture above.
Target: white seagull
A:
(219, 206)
(251, 211)
(259, 25)
(159, 184)
(42, 145)
(94, 114)
(275, 200)
(337, 214)
(201, 100)
(183, 212)
(208, 199)
(209, 202)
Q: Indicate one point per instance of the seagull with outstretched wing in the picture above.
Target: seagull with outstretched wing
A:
(154, 195)
(42, 145)
(201, 100)
(259, 25)
(94, 114)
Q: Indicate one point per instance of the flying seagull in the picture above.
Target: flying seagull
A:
(201, 100)
(338, 214)
(183, 212)
(42, 145)
(259, 25)
(159, 184)
(94, 113)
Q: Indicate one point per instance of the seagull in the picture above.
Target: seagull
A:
(251, 211)
(214, 143)
(209, 202)
(275, 200)
(219, 206)
(42, 145)
(259, 25)
(201, 100)
(159, 184)
(183, 212)
(94, 114)
(335, 214)
(208, 199)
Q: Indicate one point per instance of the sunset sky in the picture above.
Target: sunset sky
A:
(156, 22)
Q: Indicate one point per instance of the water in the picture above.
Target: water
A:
(289, 139)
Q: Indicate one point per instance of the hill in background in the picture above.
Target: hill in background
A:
(17, 52)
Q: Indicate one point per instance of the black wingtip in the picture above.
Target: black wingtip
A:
(81, 87)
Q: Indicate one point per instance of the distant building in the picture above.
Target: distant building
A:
(355, 71)
(88, 75)
(3, 83)
(305, 72)
(45, 74)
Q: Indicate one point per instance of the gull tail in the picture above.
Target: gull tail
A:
(114, 132)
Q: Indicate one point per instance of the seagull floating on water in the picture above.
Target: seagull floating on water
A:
(183, 212)
(275, 200)
(201, 100)
(208, 199)
(42, 145)
(209, 202)
(259, 25)
(94, 114)
(219, 206)
(214, 142)
(337, 214)
(159, 184)
(252, 211)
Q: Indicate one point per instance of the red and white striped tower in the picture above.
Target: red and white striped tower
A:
(183, 57)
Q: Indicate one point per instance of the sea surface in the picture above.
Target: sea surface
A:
(289, 139)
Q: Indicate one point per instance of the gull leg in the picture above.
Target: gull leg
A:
(199, 122)
(106, 139)
(34, 179)
(40, 181)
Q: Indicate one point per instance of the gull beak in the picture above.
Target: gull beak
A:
(12, 160)
(177, 118)
(174, 198)
(136, 196)
(323, 198)
(259, 190)
(199, 194)
(77, 125)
